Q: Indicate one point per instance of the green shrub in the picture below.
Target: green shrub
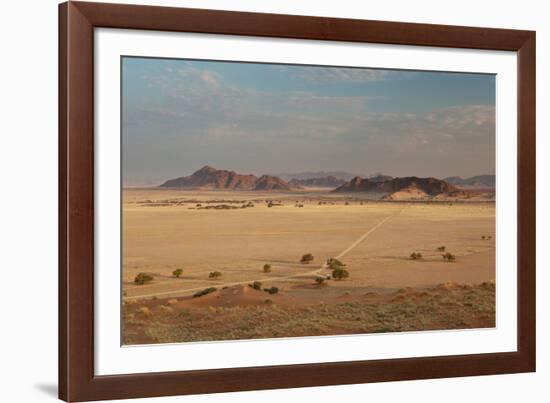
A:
(214, 275)
(257, 285)
(334, 263)
(143, 278)
(204, 292)
(272, 290)
(340, 273)
(449, 257)
(307, 258)
(267, 268)
(177, 273)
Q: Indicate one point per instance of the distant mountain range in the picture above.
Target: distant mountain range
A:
(379, 178)
(408, 188)
(479, 181)
(383, 186)
(346, 176)
(212, 178)
(320, 182)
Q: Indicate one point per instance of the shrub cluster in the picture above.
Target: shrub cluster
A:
(143, 278)
(449, 257)
(267, 268)
(204, 292)
(214, 275)
(338, 269)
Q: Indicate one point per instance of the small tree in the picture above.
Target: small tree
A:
(483, 237)
(214, 275)
(143, 278)
(307, 258)
(267, 268)
(340, 273)
(257, 285)
(441, 249)
(334, 263)
(177, 273)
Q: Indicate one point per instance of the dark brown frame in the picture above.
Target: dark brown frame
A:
(77, 21)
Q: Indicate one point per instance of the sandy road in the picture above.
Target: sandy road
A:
(317, 270)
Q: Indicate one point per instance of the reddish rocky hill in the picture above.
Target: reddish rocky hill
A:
(211, 178)
(403, 188)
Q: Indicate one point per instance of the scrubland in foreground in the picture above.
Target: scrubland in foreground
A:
(447, 306)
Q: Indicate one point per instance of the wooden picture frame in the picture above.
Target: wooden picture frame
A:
(77, 381)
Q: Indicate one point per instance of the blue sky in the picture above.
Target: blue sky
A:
(179, 115)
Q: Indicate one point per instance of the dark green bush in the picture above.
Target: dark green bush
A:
(307, 258)
(272, 290)
(257, 285)
(143, 278)
(204, 292)
(340, 273)
(177, 273)
(334, 263)
(449, 257)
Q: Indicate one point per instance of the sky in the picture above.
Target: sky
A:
(179, 115)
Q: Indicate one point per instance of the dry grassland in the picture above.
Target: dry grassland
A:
(164, 230)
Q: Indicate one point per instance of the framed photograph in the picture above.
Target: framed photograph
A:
(256, 201)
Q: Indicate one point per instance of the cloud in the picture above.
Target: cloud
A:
(198, 113)
(331, 75)
(199, 98)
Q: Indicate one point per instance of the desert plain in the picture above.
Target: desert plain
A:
(236, 233)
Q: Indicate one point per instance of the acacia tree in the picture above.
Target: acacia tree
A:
(334, 263)
(267, 268)
(340, 273)
(177, 273)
